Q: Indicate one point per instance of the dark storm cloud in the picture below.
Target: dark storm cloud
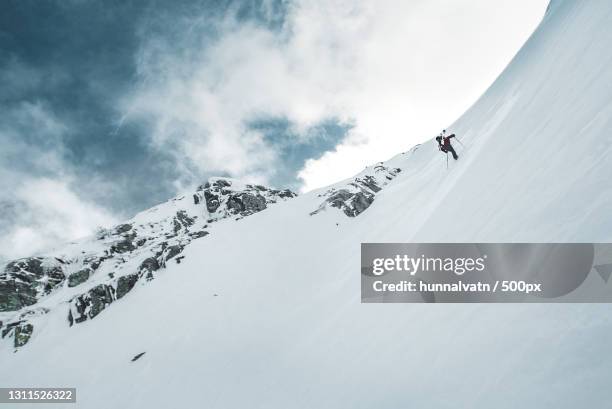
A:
(75, 59)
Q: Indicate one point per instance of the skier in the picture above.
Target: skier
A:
(444, 144)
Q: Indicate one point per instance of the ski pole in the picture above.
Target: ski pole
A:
(447, 160)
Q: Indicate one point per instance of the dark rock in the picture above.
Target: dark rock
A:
(149, 264)
(182, 220)
(339, 198)
(360, 192)
(136, 357)
(125, 284)
(101, 296)
(287, 194)
(351, 203)
(16, 295)
(252, 199)
(172, 251)
(246, 203)
(212, 201)
(55, 276)
(23, 279)
(94, 262)
(123, 228)
(361, 201)
(79, 277)
(222, 183)
(124, 245)
(32, 265)
(9, 328)
(370, 183)
(90, 304)
(198, 234)
(185, 220)
(23, 332)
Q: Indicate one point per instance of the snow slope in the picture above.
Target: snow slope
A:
(265, 312)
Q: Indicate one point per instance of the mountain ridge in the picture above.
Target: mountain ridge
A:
(113, 261)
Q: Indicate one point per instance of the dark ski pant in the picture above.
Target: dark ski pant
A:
(450, 149)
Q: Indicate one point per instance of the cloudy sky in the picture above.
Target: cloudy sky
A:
(109, 107)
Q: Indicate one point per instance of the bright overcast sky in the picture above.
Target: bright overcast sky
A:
(412, 68)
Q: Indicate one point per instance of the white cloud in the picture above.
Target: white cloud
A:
(412, 68)
(399, 70)
(48, 213)
(38, 212)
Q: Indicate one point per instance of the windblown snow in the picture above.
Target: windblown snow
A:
(242, 296)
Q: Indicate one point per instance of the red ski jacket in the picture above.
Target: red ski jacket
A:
(446, 140)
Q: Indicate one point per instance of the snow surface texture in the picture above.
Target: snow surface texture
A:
(265, 312)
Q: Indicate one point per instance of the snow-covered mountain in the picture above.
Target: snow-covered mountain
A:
(244, 296)
(92, 273)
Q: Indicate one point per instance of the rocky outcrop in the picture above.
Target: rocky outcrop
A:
(91, 303)
(226, 197)
(125, 284)
(182, 221)
(125, 244)
(24, 280)
(351, 203)
(123, 228)
(21, 331)
(79, 277)
(356, 196)
(150, 264)
(20, 328)
(212, 201)
(246, 203)
(90, 265)
(121, 257)
(198, 234)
